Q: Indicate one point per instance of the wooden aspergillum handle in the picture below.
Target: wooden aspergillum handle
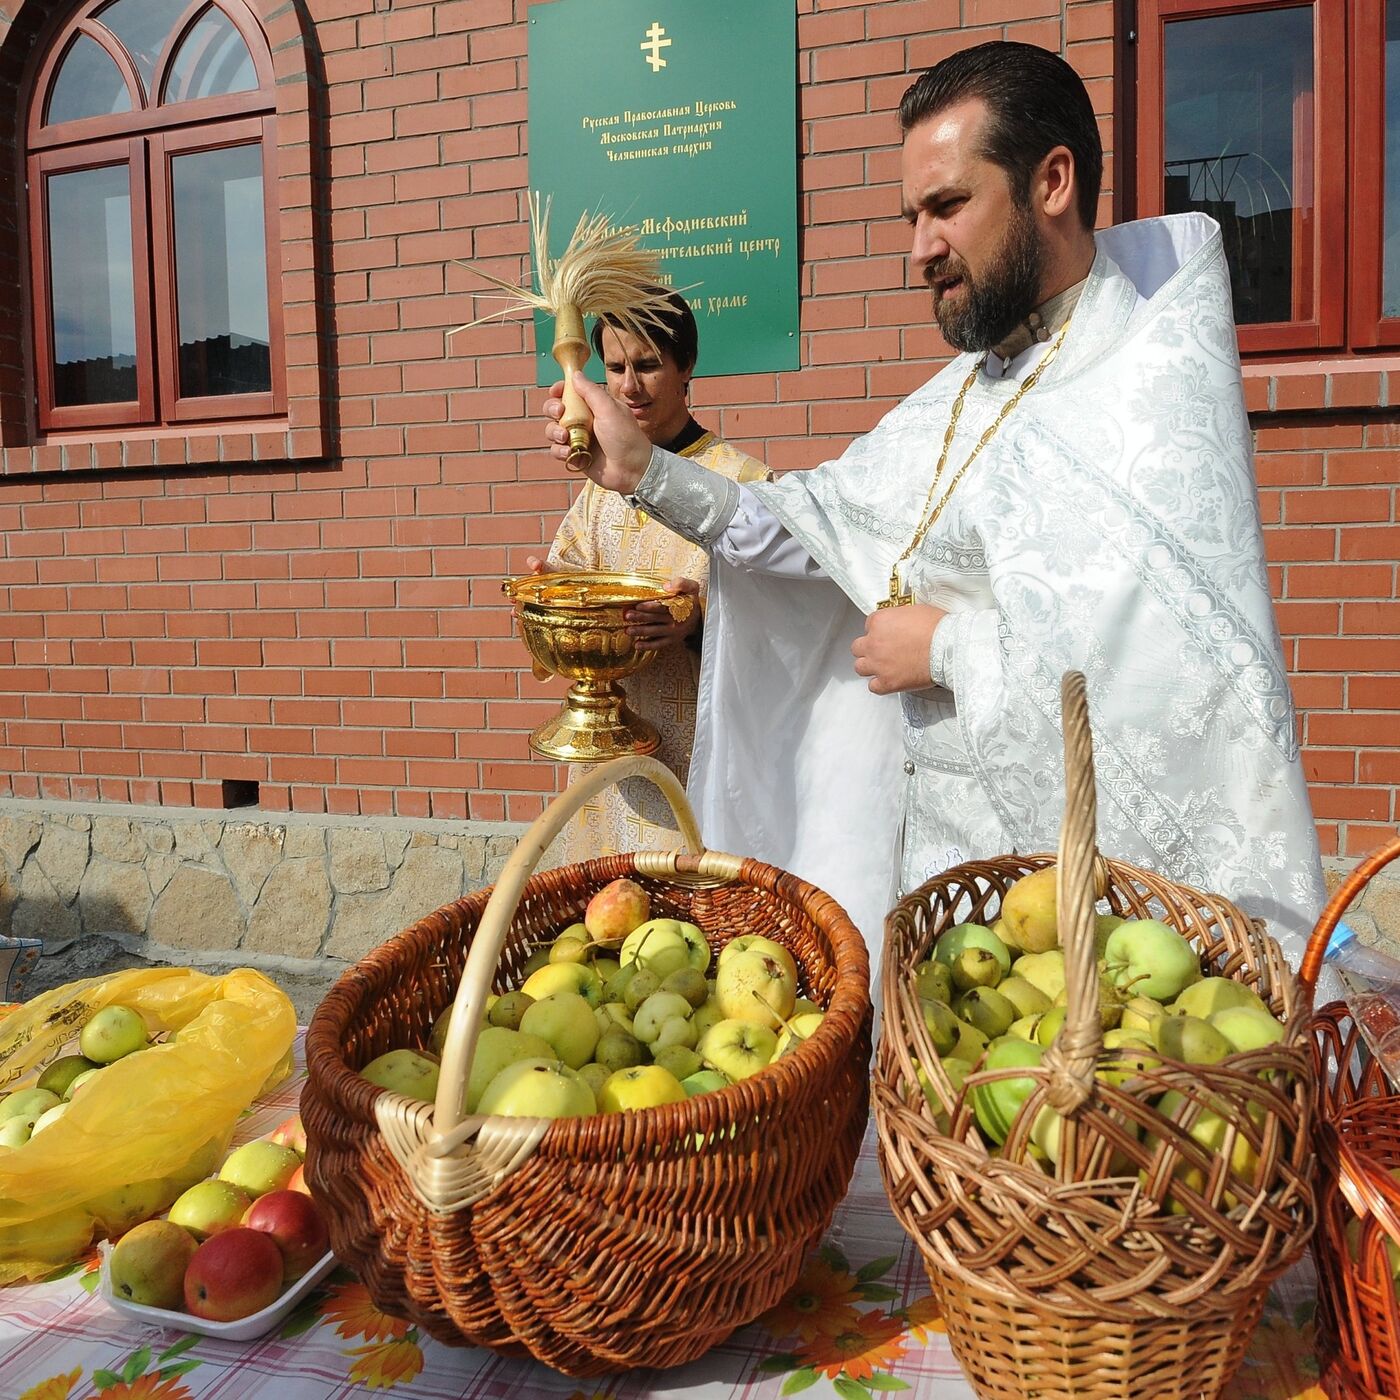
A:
(571, 353)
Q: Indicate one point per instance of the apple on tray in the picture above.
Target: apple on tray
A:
(260, 1166)
(294, 1222)
(232, 1275)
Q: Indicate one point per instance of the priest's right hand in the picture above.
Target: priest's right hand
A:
(621, 451)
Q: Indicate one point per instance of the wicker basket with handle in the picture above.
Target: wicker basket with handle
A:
(593, 1244)
(1138, 1264)
(1357, 1132)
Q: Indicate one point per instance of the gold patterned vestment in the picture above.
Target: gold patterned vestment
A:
(601, 531)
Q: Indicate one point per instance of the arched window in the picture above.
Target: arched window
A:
(152, 220)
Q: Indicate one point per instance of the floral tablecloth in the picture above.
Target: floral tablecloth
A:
(858, 1323)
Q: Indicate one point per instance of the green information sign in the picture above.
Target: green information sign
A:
(678, 118)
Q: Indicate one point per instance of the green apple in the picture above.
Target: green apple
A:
(437, 1037)
(755, 986)
(260, 1166)
(576, 978)
(738, 1048)
(658, 1008)
(678, 1060)
(675, 1030)
(688, 982)
(952, 942)
(497, 1047)
(747, 942)
(987, 1009)
(1190, 1039)
(209, 1207)
(611, 1016)
(58, 1076)
(796, 1031)
(1044, 971)
(704, 1081)
(111, 1034)
(1028, 911)
(405, 1071)
(642, 1086)
(545, 1088)
(27, 1104)
(85, 1078)
(1212, 994)
(708, 1014)
(16, 1131)
(659, 945)
(148, 1265)
(933, 981)
(1146, 958)
(1025, 996)
(509, 1008)
(565, 1021)
(618, 1050)
(997, 1104)
(48, 1118)
(1247, 1028)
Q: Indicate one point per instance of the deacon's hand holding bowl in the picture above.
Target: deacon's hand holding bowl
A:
(621, 451)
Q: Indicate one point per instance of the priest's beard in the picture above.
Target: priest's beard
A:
(990, 309)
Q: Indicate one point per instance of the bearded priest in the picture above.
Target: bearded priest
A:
(1074, 491)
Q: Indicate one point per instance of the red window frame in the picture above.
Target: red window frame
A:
(1323, 129)
(1369, 328)
(146, 138)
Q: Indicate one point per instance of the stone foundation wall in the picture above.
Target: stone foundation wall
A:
(220, 887)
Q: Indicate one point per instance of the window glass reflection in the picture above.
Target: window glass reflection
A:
(143, 26)
(94, 305)
(88, 84)
(221, 272)
(1238, 142)
(212, 60)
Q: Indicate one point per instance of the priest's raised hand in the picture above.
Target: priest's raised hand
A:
(621, 450)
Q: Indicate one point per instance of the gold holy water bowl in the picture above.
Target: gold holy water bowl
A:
(573, 625)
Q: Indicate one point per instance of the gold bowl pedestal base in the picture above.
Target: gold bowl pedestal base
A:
(595, 725)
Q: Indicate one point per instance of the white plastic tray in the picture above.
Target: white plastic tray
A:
(243, 1330)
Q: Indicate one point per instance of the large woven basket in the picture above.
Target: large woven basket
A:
(593, 1244)
(1085, 1283)
(1357, 1132)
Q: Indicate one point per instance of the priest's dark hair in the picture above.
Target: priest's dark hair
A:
(678, 335)
(1035, 102)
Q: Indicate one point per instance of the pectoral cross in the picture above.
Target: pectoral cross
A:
(898, 598)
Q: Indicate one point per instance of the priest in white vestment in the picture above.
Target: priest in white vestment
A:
(1074, 491)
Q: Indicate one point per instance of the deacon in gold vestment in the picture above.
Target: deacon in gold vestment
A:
(604, 531)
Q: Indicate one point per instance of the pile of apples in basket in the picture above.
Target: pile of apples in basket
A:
(587, 1032)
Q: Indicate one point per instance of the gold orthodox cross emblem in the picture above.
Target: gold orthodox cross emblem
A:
(655, 43)
(899, 597)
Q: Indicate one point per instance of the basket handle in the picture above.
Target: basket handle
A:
(1331, 916)
(1073, 1056)
(475, 986)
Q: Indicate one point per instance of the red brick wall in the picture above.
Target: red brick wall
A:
(335, 631)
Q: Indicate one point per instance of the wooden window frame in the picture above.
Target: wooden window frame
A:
(148, 136)
(1370, 329)
(1325, 329)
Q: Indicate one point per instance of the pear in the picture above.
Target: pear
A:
(642, 985)
(615, 988)
(678, 1060)
(1111, 1002)
(1212, 994)
(538, 959)
(618, 1050)
(941, 1024)
(1125, 1056)
(1247, 1028)
(975, 967)
(62, 1072)
(509, 1009)
(1139, 1014)
(1044, 971)
(1024, 1028)
(1104, 924)
(933, 981)
(595, 1076)
(1025, 996)
(987, 1009)
(1050, 1024)
(1190, 1039)
(952, 941)
(971, 1046)
(957, 1072)
(1028, 911)
(688, 982)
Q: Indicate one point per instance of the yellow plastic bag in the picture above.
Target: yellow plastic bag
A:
(152, 1123)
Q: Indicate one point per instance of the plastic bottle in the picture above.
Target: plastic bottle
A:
(1371, 980)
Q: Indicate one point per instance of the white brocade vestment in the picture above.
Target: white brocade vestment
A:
(1111, 526)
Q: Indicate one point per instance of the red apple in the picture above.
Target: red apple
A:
(232, 1275)
(291, 1134)
(295, 1223)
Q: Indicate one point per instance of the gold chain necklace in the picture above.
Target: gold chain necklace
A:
(899, 597)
